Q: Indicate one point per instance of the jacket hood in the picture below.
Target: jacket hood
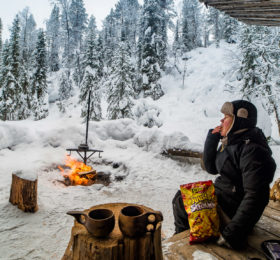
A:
(254, 135)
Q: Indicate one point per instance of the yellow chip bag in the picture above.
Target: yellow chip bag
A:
(200, 204)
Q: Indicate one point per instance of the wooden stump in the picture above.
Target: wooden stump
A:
(24, 193)
(84, 246)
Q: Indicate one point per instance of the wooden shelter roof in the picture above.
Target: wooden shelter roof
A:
(254, 12)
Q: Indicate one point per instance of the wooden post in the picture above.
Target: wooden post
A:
(24, 193)
(84, 246)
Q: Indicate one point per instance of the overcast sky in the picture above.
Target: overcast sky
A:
(41, 10)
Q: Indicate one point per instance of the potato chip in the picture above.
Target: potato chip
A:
(200, 204)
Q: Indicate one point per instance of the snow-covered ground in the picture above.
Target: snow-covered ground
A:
(149, 178)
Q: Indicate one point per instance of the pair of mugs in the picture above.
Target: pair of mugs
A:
(134, 221)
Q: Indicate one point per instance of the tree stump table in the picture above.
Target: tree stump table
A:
(83, 245)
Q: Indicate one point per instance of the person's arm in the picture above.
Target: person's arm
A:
(210, 150)
(257, 167)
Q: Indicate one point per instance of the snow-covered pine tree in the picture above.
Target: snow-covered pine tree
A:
(65, 90)
(100, 52)
(79, 67)
(176, 46)
(4, 72)
(127, 20)
(215, 21)
(66, 32)
(260, 67)
(109, 33)
(230, 29)
(91, 80)
(66, 87)
(78, 24)
(1, 28)
(39, 79)
(11, 92)
(149, 45)
(190, 25)
(28, 37)
(53, 38)
(205, 27)
(120, 84)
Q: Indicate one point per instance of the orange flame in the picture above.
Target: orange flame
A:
(76, 168)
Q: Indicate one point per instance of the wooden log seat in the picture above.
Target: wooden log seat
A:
(268, 227)
(84, 246)
(24, 193)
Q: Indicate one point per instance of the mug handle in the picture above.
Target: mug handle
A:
(77, 215)
(154, 217)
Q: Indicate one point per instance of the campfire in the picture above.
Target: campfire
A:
(77, 173)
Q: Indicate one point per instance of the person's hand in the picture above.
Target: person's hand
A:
(217, 129)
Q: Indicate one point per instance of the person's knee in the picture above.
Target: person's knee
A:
(176, 197)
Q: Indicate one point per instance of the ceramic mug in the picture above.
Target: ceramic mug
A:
(98, 222)
(134, 221)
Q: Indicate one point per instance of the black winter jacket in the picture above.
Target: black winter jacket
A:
(246, 169)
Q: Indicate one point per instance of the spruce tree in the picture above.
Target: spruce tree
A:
(39, 79)
(149, 47)
(176, 46)
(65, 90)
(28, 37)
(109, 37)
(215, 20)
(67, 56)
(65, 87)
(127, 20)
(190, 25)
(4, 72)
(91, 80)
(53, 37)
(77, 22)
(260, 67)
(1, 28)
(120, 85)
(11, 95)
(79, 65)
(230, 29)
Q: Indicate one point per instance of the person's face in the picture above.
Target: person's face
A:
(226, 123)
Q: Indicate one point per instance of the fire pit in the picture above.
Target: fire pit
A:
(77, 173)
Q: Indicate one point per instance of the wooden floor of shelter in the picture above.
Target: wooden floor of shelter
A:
(268, 227)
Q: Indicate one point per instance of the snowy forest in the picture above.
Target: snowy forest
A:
(126, 59)
(157, 72)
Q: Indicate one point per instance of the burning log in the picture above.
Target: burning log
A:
(77, 173)
(82, 245)
(24, 193)
(81, 178)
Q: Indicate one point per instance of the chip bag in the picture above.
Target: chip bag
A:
(200, 204)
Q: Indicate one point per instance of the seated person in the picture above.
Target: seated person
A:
(246, 168)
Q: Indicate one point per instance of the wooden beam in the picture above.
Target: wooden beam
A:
(242, 5)
(263, 10)
(260, 23)
(226, 2)
(268, 17)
